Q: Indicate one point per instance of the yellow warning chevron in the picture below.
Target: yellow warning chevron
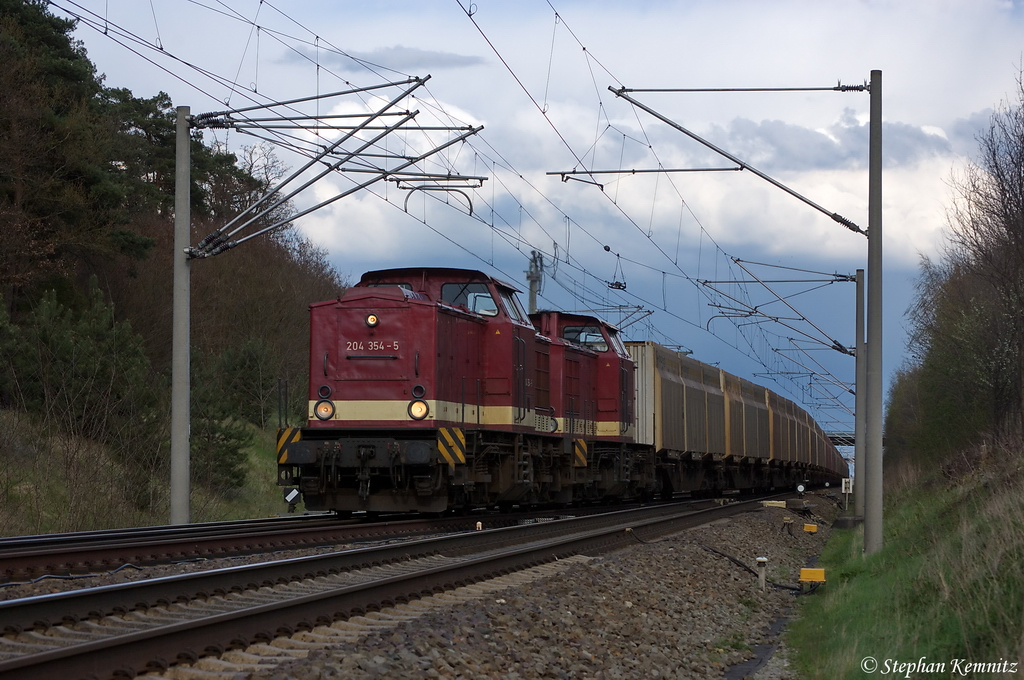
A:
(451, 442)
(286, 436)
(579, 449)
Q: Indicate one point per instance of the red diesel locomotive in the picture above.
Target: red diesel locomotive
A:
(432, 389)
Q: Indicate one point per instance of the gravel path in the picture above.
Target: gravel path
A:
(664, 609)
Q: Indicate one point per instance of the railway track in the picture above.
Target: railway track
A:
(149, 625)
(25, 558)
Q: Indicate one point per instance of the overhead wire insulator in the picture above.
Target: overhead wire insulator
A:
(847, 223)
(221, 248)
(222, 123)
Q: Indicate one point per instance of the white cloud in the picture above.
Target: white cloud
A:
(945, 67)
(933, 130)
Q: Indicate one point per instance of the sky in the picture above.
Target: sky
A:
(659, 253)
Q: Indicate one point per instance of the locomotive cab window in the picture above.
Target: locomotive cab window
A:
(588, 336)
(512, 306)
(620, 349)
(475, 297)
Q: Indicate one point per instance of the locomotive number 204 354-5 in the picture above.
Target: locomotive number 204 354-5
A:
(372, 346)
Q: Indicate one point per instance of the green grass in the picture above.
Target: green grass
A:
(948, 584)
(260, 497)
(56, 484)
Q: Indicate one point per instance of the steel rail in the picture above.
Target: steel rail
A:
(25, 558)
(136, 651)
(87, 537)
(44, 610)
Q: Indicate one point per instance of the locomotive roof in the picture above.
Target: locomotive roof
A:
(578, 315)
(469, 274)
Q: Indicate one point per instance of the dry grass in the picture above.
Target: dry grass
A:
(56, 483)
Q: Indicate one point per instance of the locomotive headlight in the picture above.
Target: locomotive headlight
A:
(372, 320)
(324, 409)
(418, 409)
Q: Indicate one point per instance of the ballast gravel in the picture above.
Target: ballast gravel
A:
(669, 608)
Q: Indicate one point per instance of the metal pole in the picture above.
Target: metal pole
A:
(873, 438)
(180, 334)
(534, 276)
(860, 407)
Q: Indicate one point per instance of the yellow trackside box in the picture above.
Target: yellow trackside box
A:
(812, 575)
(811, 528)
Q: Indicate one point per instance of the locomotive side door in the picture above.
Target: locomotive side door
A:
(523, 358)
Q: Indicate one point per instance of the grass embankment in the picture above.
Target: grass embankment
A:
(260, 497)
(55, 484)
(948, 584)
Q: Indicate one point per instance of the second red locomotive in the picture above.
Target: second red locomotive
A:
(432, 389)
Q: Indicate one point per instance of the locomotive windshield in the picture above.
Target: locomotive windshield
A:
(475, 297)
(512, 306)
(617, 342)
(588, 336)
